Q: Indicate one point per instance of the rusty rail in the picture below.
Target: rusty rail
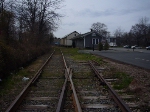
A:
(64, 88)
(62, 97)
(15, 104)
(117, 99)
(75, 98)
(68, 75)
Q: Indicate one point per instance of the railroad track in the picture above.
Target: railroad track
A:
(64, 85)
(93, 91)
(42, 93)
(128, 98)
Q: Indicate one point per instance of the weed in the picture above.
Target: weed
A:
(123, 82)
(74, 54)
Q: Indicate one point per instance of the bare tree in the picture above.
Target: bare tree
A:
(141, 31)
(118, 34)
(145, 30)
(7, 16)
(1, 6)
(47, 16)
(100, 28)
(38, 16)
(127, 39)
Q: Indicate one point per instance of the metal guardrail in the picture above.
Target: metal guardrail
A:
(13, 107)
(117, 99)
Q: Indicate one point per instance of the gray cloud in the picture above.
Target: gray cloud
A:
(95, 13)
(119, 13)
(70, 24)
(110, 12)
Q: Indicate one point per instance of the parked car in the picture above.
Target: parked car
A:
(136, 47)
(111, 44)
(133, 47)
(148, 48)
(127, 46)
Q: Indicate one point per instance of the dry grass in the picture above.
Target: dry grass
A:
(12, 85)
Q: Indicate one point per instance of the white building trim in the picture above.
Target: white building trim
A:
(95, 41)
(84, 41)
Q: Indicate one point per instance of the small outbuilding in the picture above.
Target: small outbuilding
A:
(66, 40)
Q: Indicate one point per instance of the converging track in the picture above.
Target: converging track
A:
(63, 85)
(94, 93)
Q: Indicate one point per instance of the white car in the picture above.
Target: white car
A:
(148, 48)
(127, 46)
(136, 47)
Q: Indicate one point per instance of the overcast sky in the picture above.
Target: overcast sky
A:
(79, 15)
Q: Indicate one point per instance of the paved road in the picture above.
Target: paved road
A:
(138, 57)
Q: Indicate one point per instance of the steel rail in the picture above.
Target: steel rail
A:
(15, 104)
(117, 99)
(68, 75)
(64, 88)
(62, 97)
(75, 98)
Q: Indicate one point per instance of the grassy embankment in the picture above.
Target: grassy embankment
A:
(14, 81)
(74, 54)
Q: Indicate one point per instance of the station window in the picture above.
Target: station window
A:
(95, 41)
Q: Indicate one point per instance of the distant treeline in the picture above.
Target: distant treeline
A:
(139, 34)
(26, 28)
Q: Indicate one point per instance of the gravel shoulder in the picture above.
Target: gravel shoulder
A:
(140, 84)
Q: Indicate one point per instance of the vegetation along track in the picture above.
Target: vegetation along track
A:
(43, 92)
(72, 86)
(114, 83)
(93, 93)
